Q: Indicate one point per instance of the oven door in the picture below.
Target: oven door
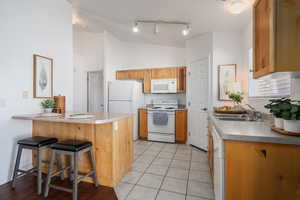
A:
(167, 128)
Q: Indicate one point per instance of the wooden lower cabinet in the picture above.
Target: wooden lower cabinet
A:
(181, 126)
(261, 171)
(143, 124)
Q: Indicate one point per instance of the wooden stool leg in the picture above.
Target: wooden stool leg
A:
(75, 176)
(17, 165)
(93, 166)
(39, 171)
(71, 175)
(49, 173)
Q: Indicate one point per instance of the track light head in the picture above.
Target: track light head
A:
(186, 30)
(135, 28)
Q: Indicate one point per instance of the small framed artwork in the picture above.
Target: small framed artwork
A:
(227, 75)
(42, 77)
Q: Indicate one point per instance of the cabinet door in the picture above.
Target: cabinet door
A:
(143, 124)
(164, 73)
(122, 75)
(288, 35)
(261, 171)
(147, 81)
(263, 13)
(181, 126)
(181, 79)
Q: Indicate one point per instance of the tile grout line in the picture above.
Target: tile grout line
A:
(164, 177)
(144, 172)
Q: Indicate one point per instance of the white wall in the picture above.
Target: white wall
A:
(27, 28)
(119, 55)
(88, 56)
(227, 49)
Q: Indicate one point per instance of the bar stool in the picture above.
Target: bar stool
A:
(37, 143)
(74, 148)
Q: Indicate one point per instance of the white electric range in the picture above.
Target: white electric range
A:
(161, 120)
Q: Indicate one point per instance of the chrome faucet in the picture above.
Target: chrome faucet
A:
(253, 114)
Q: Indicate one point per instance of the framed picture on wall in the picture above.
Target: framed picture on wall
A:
(42, 77)
(227, 75)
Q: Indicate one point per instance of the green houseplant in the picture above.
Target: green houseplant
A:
(48, 105)
(277, 107)
(291, 118)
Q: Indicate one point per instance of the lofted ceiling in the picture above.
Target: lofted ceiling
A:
(117, 16)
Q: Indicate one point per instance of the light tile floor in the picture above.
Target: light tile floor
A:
(163, 171)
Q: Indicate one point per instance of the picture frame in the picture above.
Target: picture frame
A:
(42, 77)
(226, 75)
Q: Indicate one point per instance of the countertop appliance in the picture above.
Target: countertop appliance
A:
(126, 97)
(161, 120)
(163, 86)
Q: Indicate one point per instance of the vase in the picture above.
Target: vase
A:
(48, 110)
(292, 126)
(278, 122)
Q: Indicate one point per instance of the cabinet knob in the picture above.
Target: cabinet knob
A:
(264, 152)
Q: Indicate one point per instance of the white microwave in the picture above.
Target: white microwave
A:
(164, 86)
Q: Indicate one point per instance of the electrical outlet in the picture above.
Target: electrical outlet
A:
(25, 94)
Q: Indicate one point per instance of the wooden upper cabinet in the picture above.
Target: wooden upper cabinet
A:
(181, 79)
(276, 36)
(164, 73)
(178, 73)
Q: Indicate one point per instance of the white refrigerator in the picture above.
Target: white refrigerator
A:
(126, 97)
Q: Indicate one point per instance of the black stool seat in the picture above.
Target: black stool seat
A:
(71, 145)
(37, 141)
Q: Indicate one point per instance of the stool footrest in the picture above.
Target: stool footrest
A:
(83, 176)
(60, 188)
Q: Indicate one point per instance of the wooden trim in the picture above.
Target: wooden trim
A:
(143, 124)
(34, 76)
(219, 66)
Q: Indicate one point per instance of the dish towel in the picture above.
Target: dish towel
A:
(160, 118)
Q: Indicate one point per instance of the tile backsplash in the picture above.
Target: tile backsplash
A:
(181, 97)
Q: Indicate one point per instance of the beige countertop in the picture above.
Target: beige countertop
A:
(251, 131)
(99, 118)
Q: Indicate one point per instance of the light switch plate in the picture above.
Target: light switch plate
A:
(115, 126)
(2, 103)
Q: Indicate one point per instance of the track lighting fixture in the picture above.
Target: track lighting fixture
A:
(135, 28)
(184, 31)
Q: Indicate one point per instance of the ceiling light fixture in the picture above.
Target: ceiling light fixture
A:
(135, 28)
(156, 23)
(236, 6)
(186, 30)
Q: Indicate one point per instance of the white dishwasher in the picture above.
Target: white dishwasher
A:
(218, 165)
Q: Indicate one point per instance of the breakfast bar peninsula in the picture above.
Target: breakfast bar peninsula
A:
(110, 133)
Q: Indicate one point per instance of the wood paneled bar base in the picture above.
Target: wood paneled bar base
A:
(112, 145)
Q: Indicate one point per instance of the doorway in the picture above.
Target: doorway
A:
(198, 96)
(95, 91)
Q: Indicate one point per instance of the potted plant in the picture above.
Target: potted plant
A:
(291, 118)
(277, 107)
(237, 98)
(48, 105)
